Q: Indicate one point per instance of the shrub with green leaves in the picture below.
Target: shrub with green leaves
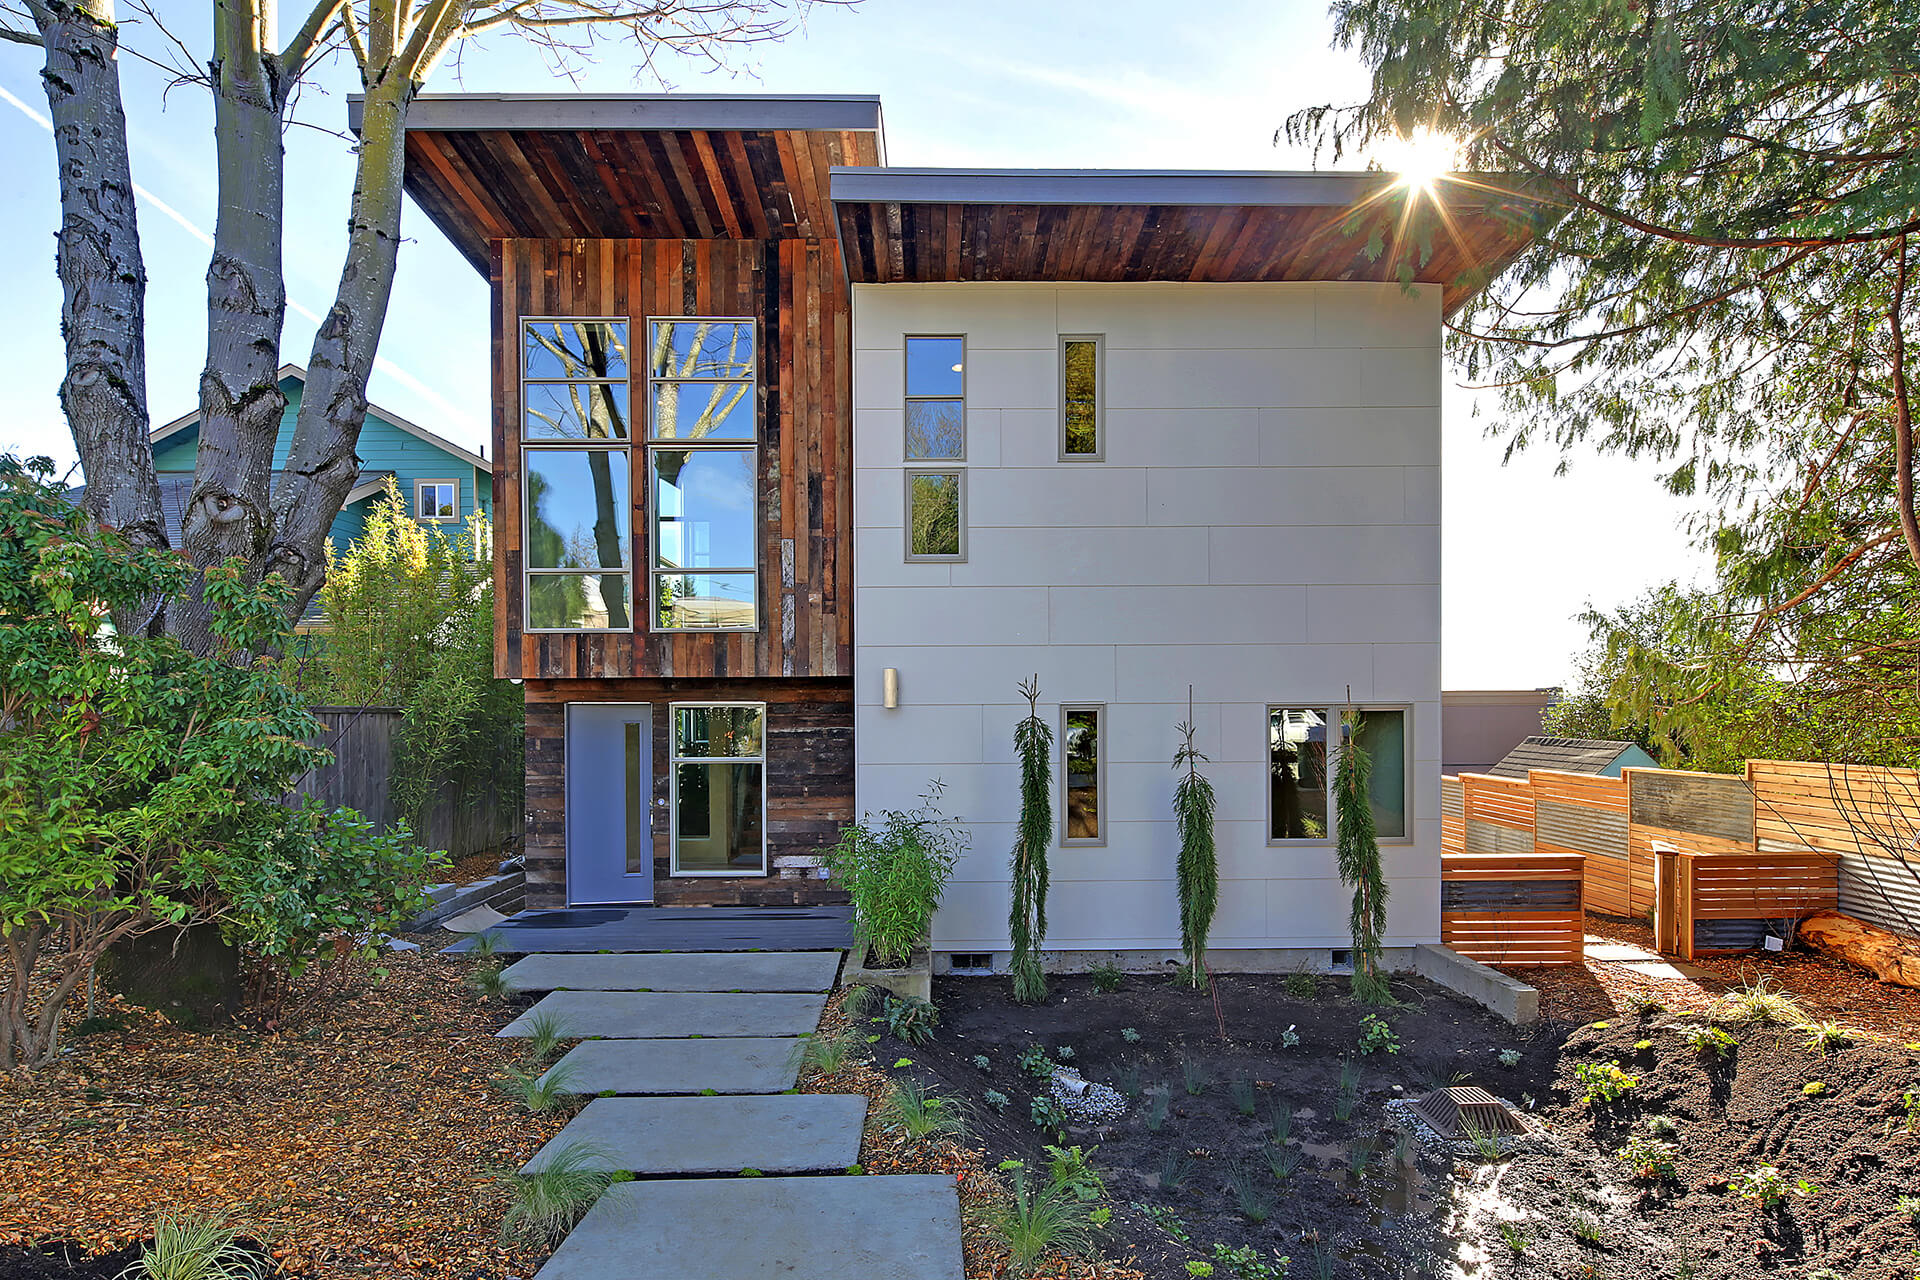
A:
(1302, 985)
(910, 1018)
(1649, 1159)
(1376, 1036)
(895, 867)
(1604, 1083)
(1709, 1042)
(141, 782)
(1048, 1114)
(1036, 1063)
(1073, 1169)
(1767, 1187)
(1107, 977)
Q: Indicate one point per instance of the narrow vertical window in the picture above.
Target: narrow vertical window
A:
(719, 790)
(576, 475)
(1083, 774)
(1081, 367)
(1382, 734)
(935, 447)
(1298, 783)
(702, 464)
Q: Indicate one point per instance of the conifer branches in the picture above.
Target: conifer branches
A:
(1358, 853)
(1197, 874)
(1033, 744)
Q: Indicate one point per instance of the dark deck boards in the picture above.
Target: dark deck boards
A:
(674, 929)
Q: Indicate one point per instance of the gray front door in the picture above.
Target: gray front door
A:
(609, 768)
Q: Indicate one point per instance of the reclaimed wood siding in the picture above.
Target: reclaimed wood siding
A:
(809, 781)
(795, 290)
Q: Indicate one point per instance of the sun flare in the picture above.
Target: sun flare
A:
(1420, 158)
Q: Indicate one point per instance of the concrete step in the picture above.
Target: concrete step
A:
(787, 1133)
(660, 1015)
(677, 971)
(725, 1065)
(895, 1228)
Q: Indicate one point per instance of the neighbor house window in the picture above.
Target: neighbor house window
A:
(436, 500)
(1082, 774)
(576, 474)
(1081, 370)
(936, 448)
(1300, 770)
(719, 789)
(702, 462)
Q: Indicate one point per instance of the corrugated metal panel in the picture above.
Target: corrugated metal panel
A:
(1491, 895)
(1491, 837)
(1736, 935)
(1582, 828)
(1699, 803)
(1881, 891)
(1453, 798)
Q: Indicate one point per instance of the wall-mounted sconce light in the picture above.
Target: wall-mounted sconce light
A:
(890, 688)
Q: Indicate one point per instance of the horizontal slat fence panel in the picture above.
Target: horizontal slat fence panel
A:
(1514, 909)
(1582, 813)
(1506, 802)
(1859, 809)
(1702, 895)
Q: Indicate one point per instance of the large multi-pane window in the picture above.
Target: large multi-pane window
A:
(719, 789)
(702, 434)
(1300, 770)
(576, 471)
(1082, 773)
(936, 448)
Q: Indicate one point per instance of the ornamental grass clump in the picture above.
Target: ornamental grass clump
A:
(1035, 1221)
(544, 1205)
(895, 867)
(190, 1248)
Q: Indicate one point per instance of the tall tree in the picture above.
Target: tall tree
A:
(1027, 917)
(1197, 869)
(238, 508)
(1729, 196)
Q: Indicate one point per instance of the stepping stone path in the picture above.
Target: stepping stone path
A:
(699, 1049)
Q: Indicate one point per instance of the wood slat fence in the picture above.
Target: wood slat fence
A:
(1717, 861)
(1519, 909)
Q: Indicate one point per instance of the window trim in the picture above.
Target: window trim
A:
(1099, 341)
(649, 444)
(418, 485)
(1100, 791)
(1333, 710)
(906, 514)
(624, 446)
(906, 399)
(675, 760)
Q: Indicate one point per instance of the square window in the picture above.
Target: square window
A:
(574, 348)
(436, 500)
(937, 367)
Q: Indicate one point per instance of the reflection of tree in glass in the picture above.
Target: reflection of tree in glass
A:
(1080, 392)
(721, 397)
(547, 545)
(935, 428)
(934, 510)
(1299, 768)
(586, 349)
(1083, 773)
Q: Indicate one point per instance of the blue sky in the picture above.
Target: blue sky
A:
(1080, 84)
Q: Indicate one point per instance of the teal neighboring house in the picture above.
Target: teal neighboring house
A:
(441, 482)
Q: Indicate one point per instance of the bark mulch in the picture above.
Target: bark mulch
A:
(1828, 989)
(358, 1142)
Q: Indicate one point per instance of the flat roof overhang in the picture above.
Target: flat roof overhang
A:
(487, 167)
(925, 225)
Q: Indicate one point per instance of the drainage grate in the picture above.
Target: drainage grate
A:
(1465, 1109)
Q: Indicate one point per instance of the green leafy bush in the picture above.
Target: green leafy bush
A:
(1603, 1082)
(895, 867)
(1709, 1042)
(1767, 1187)
(1650, 1159)
(1376, 1036)
(910, 1018)
(141, 782)
(1073, 1169)
(1106, 977)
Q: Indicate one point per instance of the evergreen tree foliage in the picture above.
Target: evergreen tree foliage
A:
(1033, 744)
(1197, 873)
(1358, 853)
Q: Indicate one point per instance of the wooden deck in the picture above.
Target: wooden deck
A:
(673, 929)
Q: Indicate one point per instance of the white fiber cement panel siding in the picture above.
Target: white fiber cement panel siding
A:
(1264, 527)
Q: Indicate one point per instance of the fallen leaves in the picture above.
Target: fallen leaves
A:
(360, 1143)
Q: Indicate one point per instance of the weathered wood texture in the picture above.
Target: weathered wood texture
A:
(795, 290)
(1717, 805)
(887, 243)
(1887, 956)
(1513, 909)
(758, 184)
(360, 778)
(809, 781)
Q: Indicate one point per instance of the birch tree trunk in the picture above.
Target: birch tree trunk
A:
(103, 281)
(240, 398)
(321, 466)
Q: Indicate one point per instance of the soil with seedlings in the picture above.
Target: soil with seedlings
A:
(73, 1262)
(1560, 1204)
(1178, 1190)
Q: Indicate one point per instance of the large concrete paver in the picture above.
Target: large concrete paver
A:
(677, 971)
(725, 1064)
(905, 1227)
(786, 1133)
(651, 1015)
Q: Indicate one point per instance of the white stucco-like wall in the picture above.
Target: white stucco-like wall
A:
(1265, 526)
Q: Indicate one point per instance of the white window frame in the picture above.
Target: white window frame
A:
(623, 447)
(454, 485)
(1333, 710)
(1100, 793)
(933, 466)
(651, 444)
(675, 760)
(1099, 341)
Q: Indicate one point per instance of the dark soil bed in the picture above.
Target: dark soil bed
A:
(1388, 1223)
(1523, 1217)
(64, 1261)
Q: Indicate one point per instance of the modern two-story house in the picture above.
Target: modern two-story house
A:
(803, 462)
